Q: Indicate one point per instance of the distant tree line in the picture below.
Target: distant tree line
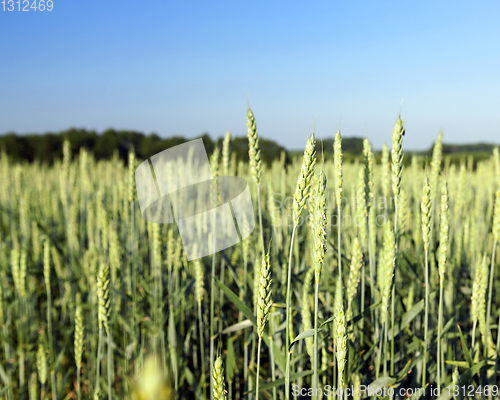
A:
(46, 148)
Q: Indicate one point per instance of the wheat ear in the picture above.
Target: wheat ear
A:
(340, 333)
(219, 387)
(299, 201)
(397, 171)
(443, 250)
(354, 276)
(496, 239)
(338, 174)
(79, 341)
(226, 153)
(41, 365)
(426, 229)
(264, 304)
(103, 312)
(255, 165)
(387, 280)
(319, 246)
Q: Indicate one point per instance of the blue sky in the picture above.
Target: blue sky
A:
(185, 68)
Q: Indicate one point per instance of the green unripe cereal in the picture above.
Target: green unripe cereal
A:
(103, 296)
(496, 217)
(354, 275)
(14, 266)
(254, 149)
(341, 337)
(479, 289)
(443, 237)
(319, 226)
(437, 156)
(389, 259)
(361, 209)
(198, 283)
(264, 301)
(226, 153)
(41, 364)
(426, 214)
(79, 331)
(385, 172)
(397, 157)
(219, 391)
(368, 175)
(304, 182)
(337, 158)
(46, 264)
(496, 160)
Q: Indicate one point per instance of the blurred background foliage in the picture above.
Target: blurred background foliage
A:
(46, 148)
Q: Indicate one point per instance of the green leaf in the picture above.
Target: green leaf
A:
(382, 382)
(4, 376)
(417, 394)
(236, 301)
(358, 317)
(404, 372)
(238, 326)
(4, 389)
(445, 394)
(194, 383)
(365, 312)
(172, 336)
(230, 360)
(283, 305)
(130, 349)
(281, 381)
(461, 364)
(464, 378)
(411, 315)
(278, 355)
(465, 348)
(303, 335)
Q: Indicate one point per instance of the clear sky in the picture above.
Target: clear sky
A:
(184, 68)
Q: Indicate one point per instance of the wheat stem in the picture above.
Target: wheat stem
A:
(426, 227)
(496, 238)
(288, 310)
(258, 370)
(397, 171)
(315, 358)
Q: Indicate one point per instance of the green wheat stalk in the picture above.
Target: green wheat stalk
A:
(103, 314)
(319, 250)
(218, 384)
(443, 249)
(397, 172)
(46, 274)
(299, 202)
(496, 238)
(255, 164)
(264, 304)
(79, 343)
(426, 206)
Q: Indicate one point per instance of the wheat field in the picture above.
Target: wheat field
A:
(361, 274)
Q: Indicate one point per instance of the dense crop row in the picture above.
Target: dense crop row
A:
(356, 274)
